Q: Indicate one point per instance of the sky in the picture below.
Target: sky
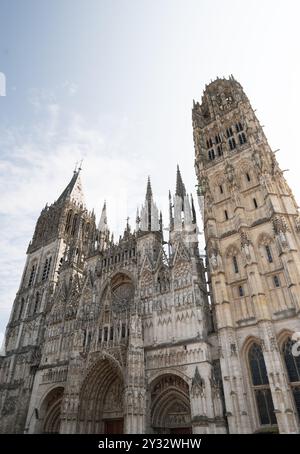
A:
(112, 82)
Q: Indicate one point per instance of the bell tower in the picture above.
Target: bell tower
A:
(252, 228)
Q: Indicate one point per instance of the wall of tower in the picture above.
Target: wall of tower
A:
(250, 224)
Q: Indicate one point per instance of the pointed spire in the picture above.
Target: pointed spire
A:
(171, 219)
(180, 188)
(137, 220)
(103, 219)
(73, 190)
(149, 190)
(149, 216)
(193, 211)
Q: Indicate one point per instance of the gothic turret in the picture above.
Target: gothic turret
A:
(149, 212)
(183, 223)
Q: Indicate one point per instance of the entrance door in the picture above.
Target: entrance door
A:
(113, 426)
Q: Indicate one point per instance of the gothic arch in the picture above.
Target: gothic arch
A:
(50, 411)
(101, 398)
(170, 410)
(245, 167)
(113, 277)
(232, 250)
(283, 336)
(264, 239)
(257, 378)
(248, 343)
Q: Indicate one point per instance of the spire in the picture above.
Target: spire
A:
(149, 194)
(180, 188)
(103, 219)
(171, 211)
(103, 229)
(73, 190)
(193, 211)
(137, 220)
(149, 213)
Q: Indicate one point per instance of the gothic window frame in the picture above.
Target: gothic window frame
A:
(46, 268)
(229, 132)
(74, 224)
(239, 127)
(269, 253)
(241, 291)
(235, 264)
(260, 387)
(232, 143)
(37, 300)
(276, 281)
(32, 274)
(68, 221)
(242, 138)
(294, 385)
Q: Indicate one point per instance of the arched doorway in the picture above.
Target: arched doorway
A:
(50, 411)
(170, 405)
(101, 400)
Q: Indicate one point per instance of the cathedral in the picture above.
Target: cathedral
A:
(145, 334)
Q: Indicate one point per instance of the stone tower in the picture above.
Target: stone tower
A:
(61, 236)
(252, 233)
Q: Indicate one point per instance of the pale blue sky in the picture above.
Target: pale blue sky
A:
(113, 81)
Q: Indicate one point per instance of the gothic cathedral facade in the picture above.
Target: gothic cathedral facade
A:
(144, 335)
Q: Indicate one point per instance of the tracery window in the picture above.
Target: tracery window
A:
(232, 143)
(260, 384)
(242, 138)
(269, 254)
(239, 127)
(32, 275)
(36, 303)
(68, 222)
(292, 363)
(74, 224)
(46, 268)
(229, 132)
(276, 281)
(235, 264)
(211, 154)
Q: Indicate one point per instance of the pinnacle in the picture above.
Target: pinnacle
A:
(149, 190)
(180, 188)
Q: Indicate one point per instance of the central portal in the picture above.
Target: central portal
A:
(101, 400)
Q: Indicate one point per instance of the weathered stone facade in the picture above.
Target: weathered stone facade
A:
(251, 226)
(106, 336)
(123, 336)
